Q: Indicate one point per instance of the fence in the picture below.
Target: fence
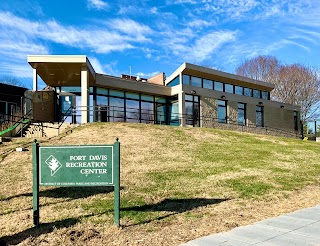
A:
(149, 116)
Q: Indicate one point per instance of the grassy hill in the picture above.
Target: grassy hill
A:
(176, 184)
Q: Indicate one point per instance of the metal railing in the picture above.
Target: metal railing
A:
(12, 121)
(149, 116)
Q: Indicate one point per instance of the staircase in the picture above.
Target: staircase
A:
(47, 130)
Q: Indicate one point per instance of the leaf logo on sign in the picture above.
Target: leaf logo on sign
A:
(53, 164)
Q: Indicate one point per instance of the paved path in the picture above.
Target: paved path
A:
(300, 228)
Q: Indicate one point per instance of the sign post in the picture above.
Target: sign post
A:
(83, 165)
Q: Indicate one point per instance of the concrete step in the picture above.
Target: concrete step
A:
(48, 130)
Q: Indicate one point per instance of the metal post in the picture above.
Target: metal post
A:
(315, 130)
(35, 188)
(22, 117)
(116, 156)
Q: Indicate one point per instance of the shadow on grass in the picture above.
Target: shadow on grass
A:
(68, 192)
(175, 206)
(37, 231)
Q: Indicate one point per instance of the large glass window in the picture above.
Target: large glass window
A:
(116, 93)
(147, 112)
(222, 111)
(192, 110)
(259, 116)
(102, 109)
(257, 93)
(208, 84)
(241, 114)
(195, 81)
(228, 88)
(174, 82)
(174, 113)
(132, 111)
(161, 113)
(265, 95)
(218, 86)
(116, 108)
(247, 92)
(186, 79)
(239, 90)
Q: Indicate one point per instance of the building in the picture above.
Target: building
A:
(11, 99)
(192, 95)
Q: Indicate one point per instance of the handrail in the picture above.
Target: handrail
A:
(115, 113)
(68, 113)
(12, 124)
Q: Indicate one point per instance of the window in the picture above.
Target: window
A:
(228, 88)
(174, 82)
(295, 118)
(222, 111)
(208, 84)
(218, 86)
(117, 110)
(257, 93)
(186, 79)
(147, 112)
(192, 110)
(241, 114)
(247, 92)
(239, 90)
(195, 81)
(132, 111)
(265, 95)
(259, 116)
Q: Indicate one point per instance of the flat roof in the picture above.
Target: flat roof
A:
(212, 74)
(60, 70)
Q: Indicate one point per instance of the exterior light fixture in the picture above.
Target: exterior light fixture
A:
(51, 74)
(193, 92)
(260, 103)
(77, 74)
(223, 97)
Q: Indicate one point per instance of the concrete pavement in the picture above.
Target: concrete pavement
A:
(300, 228)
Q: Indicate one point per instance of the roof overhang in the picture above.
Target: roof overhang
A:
(212, 74)
(62, 70)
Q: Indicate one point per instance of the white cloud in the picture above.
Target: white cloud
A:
(282, 43)
(147, 75)
(207, 44)
(98, 68)
(97, 4)
(154, 10)
(131, 27)
(199, 23)
(105, 39)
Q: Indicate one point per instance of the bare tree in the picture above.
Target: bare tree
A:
(10, 81)
(295, 84)
(264, 68)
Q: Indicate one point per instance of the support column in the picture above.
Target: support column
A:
(35, 79)
(84, 94)
(182, 108)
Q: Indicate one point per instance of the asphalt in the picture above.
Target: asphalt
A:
(300, 228)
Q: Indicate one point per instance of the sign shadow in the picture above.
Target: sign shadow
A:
(37, 231)
(175, 206)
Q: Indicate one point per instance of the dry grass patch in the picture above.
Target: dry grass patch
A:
(176, 184)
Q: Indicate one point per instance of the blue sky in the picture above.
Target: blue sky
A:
(157, 36)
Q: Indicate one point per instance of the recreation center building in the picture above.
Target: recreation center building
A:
(191, 96)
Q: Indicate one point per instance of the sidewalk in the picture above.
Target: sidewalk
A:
(300, 228)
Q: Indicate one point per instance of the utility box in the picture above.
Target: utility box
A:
(43, 106)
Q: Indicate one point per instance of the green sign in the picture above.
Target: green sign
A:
(86, 165)
(76, 165)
